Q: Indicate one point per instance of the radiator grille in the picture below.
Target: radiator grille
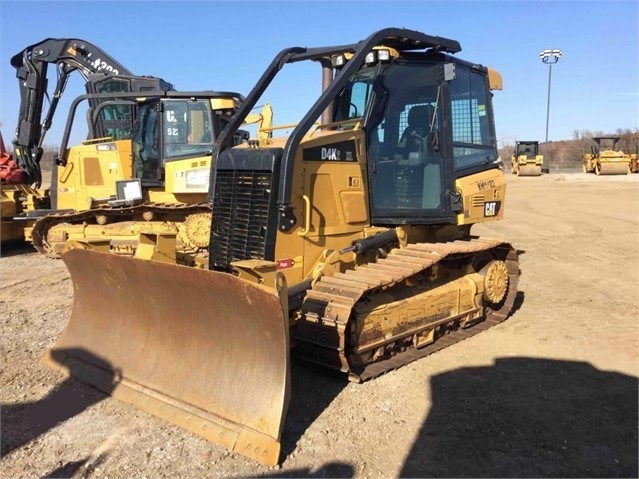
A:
(240, 216)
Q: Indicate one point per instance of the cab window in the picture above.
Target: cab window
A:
(473, 137)
(187, 129)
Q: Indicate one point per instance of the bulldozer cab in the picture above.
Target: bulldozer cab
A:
(401, 121)
(411, 167)
(174, 129)
(146, 136)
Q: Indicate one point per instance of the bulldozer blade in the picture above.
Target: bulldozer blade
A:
(201, 349)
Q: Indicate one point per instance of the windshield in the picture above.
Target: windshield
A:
(528, 149)
(116, 120)
(169, 131)
(473, 136)
(406, 108)
(187, 129)
(352, 102)
(405, 163)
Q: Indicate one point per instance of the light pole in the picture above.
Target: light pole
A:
(549, 57)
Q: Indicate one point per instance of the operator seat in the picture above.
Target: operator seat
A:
(418, 183)
(419, 118)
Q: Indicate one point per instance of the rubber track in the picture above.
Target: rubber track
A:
(161, 212)
(343, 290)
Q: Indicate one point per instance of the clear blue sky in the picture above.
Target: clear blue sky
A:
(225, 45)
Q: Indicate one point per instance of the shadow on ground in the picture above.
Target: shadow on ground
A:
(81, 468)
(23, 422)
(15, 248)
(527, 417)
(313, 390)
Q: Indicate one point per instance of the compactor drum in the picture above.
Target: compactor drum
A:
(348, 241)
(606, 159)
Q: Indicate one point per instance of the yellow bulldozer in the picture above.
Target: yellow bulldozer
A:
(605, 158)
(143, 169)
(109, 192)
(346, 243)
(526, 160)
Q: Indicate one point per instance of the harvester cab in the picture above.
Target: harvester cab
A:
(349, 240)
(526, 160)
(605, 157)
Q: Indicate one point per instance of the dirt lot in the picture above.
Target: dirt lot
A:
(551, 392)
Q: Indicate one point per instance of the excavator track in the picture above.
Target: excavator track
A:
(145, 212)
(325, 332)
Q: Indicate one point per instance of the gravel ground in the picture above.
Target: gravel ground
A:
(551, 392)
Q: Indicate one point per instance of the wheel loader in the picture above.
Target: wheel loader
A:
(347, 244)
(605, 158)
(526, 160)
(143, 168)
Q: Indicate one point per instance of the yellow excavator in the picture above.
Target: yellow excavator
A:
(605, 157)
(347, 244)
(143, 169)
(526, 160)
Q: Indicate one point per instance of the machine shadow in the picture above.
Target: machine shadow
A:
(518, 303)
(330, 469)
(71, 469)
(15, 248)
(313, 389)
(528, 417)
(23, 422)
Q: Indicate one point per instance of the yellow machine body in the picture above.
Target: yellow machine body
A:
(18, 200)
(339, 243)
(172, 197)
(606, 159)
(87, 183)
(526, 159)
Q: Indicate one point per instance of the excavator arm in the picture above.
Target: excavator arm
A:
(31, 64)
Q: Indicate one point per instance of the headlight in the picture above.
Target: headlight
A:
(106, 147)
(383, 55)
(338, 61)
